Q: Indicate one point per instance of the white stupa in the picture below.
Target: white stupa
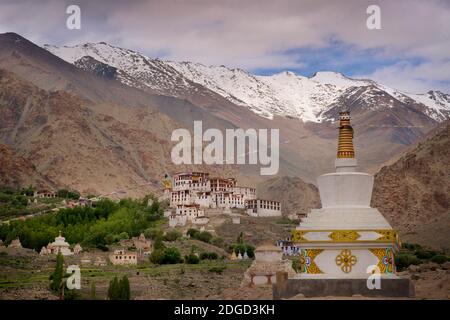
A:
(59, 245)
(346, 236)
(346, 247)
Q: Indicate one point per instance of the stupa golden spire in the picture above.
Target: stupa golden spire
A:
(345, 143)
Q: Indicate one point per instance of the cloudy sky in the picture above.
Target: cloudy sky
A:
(411, 51)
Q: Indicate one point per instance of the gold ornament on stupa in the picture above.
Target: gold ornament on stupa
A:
(345, 143)
(166, 182)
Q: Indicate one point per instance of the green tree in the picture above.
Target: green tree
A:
(157, 256)
(62, 193)
(73, 195)
(193, 233)
(205, 236)
(124, 285)
(240, 238)
(439, 258)
(172, 235)
(93, 291)
(159, 244)
(28, 191)
(172, 255)
(191, 259)
(114, 289)
(57, 276)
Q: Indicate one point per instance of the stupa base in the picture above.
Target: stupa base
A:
(390, 288)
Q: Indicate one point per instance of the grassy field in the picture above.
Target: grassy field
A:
(148, 281)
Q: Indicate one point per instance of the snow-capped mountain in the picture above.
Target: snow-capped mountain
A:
(282, 94)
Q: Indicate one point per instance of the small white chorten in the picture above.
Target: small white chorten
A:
(60, 245)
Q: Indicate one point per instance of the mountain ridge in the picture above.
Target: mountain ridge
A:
(283, 94)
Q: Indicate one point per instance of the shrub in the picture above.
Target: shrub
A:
(62, 193)
(439, 258)
(411, 246)
(193, 233)
(204, 236)
(153, 233)
(157, 256)
(404, 260)
(158, 244)
(172, 255)
(244, 247)
(209, 256)
(424, 254)
(217, 269)
(19, 201)
(217, 241)
(191, 259)
(73, 195)
(172, 235)
(123, 235)
(71, 295)
(296, 265)
(102, 247)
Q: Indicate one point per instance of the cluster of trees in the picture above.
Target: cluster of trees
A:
(204, 236)
(209, 256)
(164, 255)
(97, 226)
(12, 202)
(207, 237)
(119, 289)
(193, 258)
(68, 194)
(170, 255)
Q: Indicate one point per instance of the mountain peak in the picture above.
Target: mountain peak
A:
(338, 79)
(285, 93)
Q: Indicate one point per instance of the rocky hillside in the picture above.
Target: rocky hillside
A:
(305, 109)
(295, 195)
(92, 148)
(414, 192)
(17, 172)
(100, 117)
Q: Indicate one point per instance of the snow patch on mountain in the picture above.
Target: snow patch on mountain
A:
(282, 94)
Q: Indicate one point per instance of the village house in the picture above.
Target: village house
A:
(141, 244)
(177, 220)
(263, 208)
(188, 213)
(122, 257)
(44, 194)
(216, 192)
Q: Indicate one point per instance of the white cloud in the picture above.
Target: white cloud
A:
(248, 34)
(414, 78)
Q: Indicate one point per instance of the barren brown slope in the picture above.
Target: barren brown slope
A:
(414, 192)
(295, 195)
(101, 149)
(17, 172)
